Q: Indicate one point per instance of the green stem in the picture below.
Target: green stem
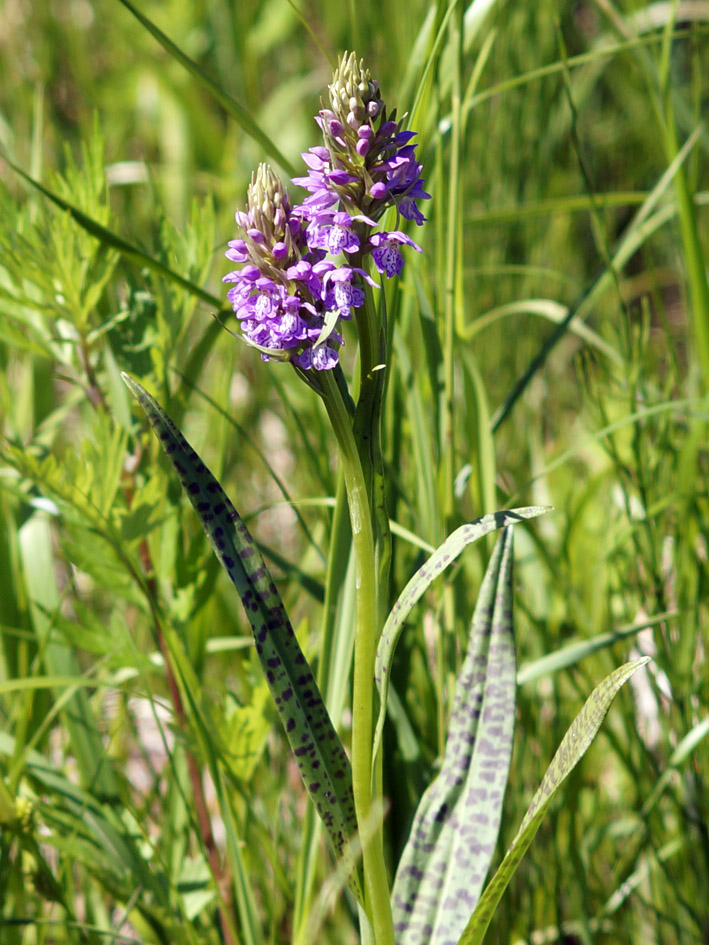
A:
(340, 543)
(371, 329)
(378, 906)
(693, 253)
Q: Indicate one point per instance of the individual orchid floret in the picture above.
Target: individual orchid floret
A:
(324, 182)
(334, 231)
(341, 290)
(386, 254)
(322, 358)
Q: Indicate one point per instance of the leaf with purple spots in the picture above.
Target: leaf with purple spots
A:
(446, 858)
(319, 753)
(443, 556)
(579, 736)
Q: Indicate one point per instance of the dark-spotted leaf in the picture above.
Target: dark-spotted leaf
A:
(452, 841)
(320, 755)
(573, 745)
(444, 555)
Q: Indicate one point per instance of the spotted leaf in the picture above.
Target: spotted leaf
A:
(321, 758)
(573, 745)
(443, 556)
(452, 840)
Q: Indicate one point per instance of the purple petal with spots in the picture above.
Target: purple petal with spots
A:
(319, 753)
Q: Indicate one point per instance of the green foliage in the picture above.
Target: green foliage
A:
(579, 737)
(442, 557)
(319, 754)
(548, 349)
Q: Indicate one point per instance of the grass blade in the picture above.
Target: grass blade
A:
(573, 653)
(36, 549)
(637, 225)
(452, 841)
(321, 758)
(232, 107)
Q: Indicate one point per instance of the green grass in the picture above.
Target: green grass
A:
(548, 347)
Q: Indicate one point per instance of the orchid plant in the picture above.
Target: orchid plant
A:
(304, 270)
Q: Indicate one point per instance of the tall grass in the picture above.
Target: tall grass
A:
(548, 347)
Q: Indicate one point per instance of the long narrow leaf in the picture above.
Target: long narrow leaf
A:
(573, 745)
(321, 758)
(448, 854)
(573, 653)
(444, 555)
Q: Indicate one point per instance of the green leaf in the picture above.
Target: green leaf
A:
(321, 758)
(452, 841)
(573, 653)
(93, 832)
(444, 555)
(581, 733)
(248, 727)
(682, 752)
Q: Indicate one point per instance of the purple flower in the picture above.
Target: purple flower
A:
(322, 358)
(386, 253)
(334, 231)
(322, 180)
(293, 287)
(341, 292)
(402, 183)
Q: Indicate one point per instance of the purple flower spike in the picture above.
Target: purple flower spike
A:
(293, 288)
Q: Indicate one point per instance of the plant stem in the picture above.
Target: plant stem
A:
(378, 906)
(371, 330)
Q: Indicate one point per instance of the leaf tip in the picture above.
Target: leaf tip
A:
(133, 386)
